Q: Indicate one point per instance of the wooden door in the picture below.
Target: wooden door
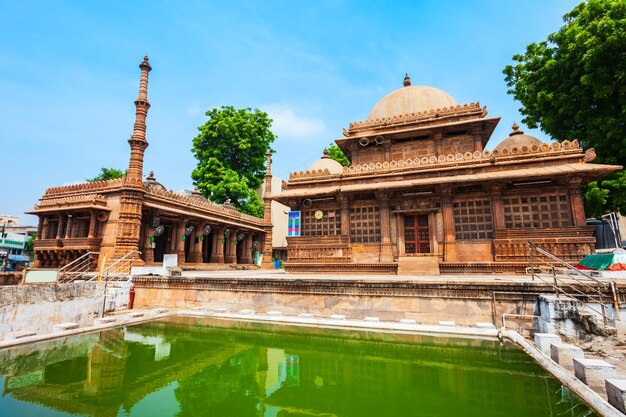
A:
(416, 234)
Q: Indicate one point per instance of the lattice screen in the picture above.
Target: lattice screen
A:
(365, 224)
(328, 225)
(473, 220)
(547, 210)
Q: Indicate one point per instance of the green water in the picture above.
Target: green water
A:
(205, 367)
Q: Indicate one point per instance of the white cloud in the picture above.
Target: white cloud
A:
(287, 124)
(193, 110)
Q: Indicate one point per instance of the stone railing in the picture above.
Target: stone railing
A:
(206, 206)
(568, 243)
(457, 110)
(458, 159)
(85, 187)
(77, 243)
(96, 199)
(319, 249)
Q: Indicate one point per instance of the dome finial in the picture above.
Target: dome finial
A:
(325, 153)
(407, 80)
(151, 176)
(516, 130)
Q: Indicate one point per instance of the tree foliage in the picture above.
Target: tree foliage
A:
(108, 174)
(230, 150)
(573, 85)
(337, 154)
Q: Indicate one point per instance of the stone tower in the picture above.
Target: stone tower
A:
(267, 263)
(129, 223)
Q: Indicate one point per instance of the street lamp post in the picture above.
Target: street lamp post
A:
(6, 258)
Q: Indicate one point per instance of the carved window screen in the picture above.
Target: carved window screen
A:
(328, 225)
(547, 210)
(365, 224)
(473, 220)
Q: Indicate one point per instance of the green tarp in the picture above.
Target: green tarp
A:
(602, 261)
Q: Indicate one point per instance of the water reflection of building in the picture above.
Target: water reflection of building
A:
(246, 369)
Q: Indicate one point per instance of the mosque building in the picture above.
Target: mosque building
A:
(422, 194)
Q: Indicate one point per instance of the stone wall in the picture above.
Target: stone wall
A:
(38, 308)
(426, 303)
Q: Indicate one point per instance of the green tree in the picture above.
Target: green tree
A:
(230, 150)
(337, 154)
(108, 174)
(572, 85)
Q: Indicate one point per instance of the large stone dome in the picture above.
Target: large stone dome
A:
(517, 139)
(410, 99)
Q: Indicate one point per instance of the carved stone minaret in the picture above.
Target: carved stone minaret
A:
(267, 263)
(129, 223)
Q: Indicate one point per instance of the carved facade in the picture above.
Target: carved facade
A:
(422, 187)
(117, 217)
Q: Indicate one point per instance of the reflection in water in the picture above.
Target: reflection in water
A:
(190, 367)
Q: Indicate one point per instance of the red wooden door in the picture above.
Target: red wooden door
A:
(416, 234)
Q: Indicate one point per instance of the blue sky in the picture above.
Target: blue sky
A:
(69, 75)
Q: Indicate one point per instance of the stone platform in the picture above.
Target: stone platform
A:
(465, 299)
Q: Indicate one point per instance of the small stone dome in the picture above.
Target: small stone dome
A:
(517, 139)
(326, 162)
(227, 204)
(151, 182)
(197, 196)
(410, 99)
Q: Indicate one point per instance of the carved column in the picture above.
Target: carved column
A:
(60, 227)
(345, 214)
(92, 225)
(230, 256)
(246, 254)
(45, 226)
(387, 149)
(478, 138)
(497, 209)
(450, 253)
(386, 252)
(180, 243)
(196, 252)
(68, 230)
(576, 202)
(217, 252)
(438, 139)
(148, 250)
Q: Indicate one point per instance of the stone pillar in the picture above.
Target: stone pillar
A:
(438, 139)
(497, 209)
(68, 230)
(230, 256)
(45, 227)
(386, 252)
(450, 253)
(196, 254)
(60, 227)
(576, 202)
(246, 254)
(387, 149)
(345, 214)
(180, 243)
(148, 251)
(477, 137)
(92, 225)
(217, 252)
